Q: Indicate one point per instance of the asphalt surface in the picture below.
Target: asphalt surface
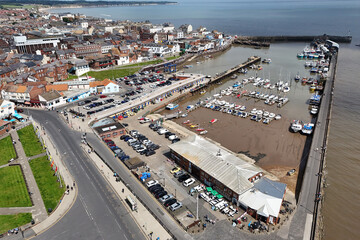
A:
(97, 212)
(139, 190)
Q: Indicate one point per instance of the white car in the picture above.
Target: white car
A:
(162, 131)
(188, 182)
(166, 197)
(172, 137)
(145, 120)
(152, 183)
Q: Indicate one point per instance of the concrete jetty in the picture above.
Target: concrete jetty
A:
(251, 60)
(304, 222)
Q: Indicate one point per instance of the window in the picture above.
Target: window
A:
(115, 133)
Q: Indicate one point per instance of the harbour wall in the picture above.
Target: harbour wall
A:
(307, 216)
(309, 38)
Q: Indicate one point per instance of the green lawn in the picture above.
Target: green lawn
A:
(71, 77)
(8, 222)
(120, 71)
(113, 73)
(12, 188)
(49, 187)
(7, 150)
(30, 142)
(172, 58)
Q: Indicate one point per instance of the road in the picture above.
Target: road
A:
(97, 212)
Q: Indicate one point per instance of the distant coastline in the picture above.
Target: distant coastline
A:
(47, 7)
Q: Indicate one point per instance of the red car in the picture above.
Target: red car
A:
(103, 96)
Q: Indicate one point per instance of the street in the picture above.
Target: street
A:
(97, 212)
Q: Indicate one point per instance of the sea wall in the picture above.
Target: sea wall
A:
(309, 38)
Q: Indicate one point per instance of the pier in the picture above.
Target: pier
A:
(273, 39)
(304, 223)
(251, 60)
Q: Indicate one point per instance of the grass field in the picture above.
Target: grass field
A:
(13, 188)
(7, 150)
(8, 222)
(120, 71)
(49, 187)
(113, 73)
(31, 144)
(71, 77)
(172, 58)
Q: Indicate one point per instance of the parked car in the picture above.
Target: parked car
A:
(154, 187)
(149, 152)
(103, 96)
(175, 140)
(151, 183)
(183, 177)
(179, 173)
(188, 182)
(172, 137)
(162, 131)
(169, 202)
(166, 197)
(175, 169)
(160, 194)
(123, 137)
(175, 206)
(156, 190)
(168, 134)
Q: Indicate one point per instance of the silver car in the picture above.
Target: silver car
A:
(175, 206)
(166, 197)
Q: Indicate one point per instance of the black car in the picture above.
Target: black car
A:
(170, 202)
(149, 152)
(124, 136)
(168, 134)
(152, 125)
(183, 177)
(160, 194)
(154, 186)
(125, 124)
(157, 190)
(156, 128)
(175, 140)
(153, 146)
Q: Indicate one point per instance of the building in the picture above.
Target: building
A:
(24, 45)
(106, 47)
(78, 66)
(215, 166)
(5, 127)
(83, 50)
(263, 201)
(111, 130)
(16, 93)
(234, 178)
(7, 108)
(104, 87)
(52, 99)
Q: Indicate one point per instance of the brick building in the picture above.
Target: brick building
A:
(83, 50)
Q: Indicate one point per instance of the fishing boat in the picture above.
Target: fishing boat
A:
(278, 117)
(296, 126)
(259, 67)
(186, 122)
(202, 92)
(171, 106)
(234, 76)
(297, 77)
(304, 80)
(213, 120)
(267, 120)
(271, 115)
(200, 129)
(308, 128)
(190, 107)
(184, 115)
(194, 125)
(203, 132)
(266, 60)
(266, 114)
(314, 110)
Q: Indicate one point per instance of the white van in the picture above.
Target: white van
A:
(188, 182)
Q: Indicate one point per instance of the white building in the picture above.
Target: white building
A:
(84, 25)
(79, 66)
(158, 49)
(105, 48)
(16, 93)
(123, 59)
(6, 108)
(52, 99)
(104, 87)
(24, 45)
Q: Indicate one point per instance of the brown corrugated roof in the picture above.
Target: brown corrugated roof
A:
(21, 89)
(58, 87)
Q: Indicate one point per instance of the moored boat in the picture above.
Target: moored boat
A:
(203, 132)
(186, 122)
(308, 128)
(171, 106)
(213, 120)
(296, 126)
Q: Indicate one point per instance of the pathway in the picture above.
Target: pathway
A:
(39, 211)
